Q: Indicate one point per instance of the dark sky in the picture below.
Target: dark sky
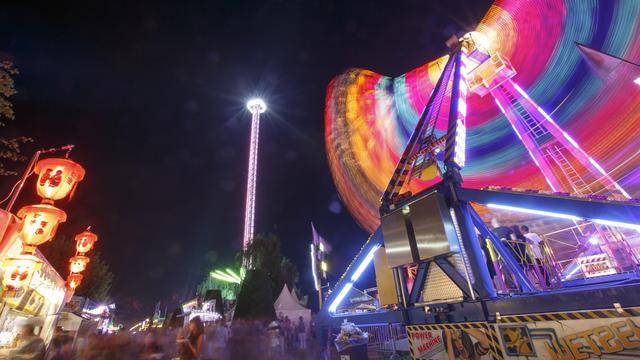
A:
(153, 93)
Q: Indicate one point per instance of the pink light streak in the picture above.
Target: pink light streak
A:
(250, 202)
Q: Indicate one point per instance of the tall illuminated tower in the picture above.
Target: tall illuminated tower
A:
(256, 107)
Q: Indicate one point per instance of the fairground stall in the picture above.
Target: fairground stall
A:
(498, 182)
(42, 298)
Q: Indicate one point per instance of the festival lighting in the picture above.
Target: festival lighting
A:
(234, 275)
(78, 263)
(217, 274)
(40, 223)
(74, 280)
(323, 266)
(57, 177)
(85, 241)
(365, 262)
(256, 107)
(18, 270)
(565, 216)
(370, 116)
(340, 297)
(356, 275)
(314, 270)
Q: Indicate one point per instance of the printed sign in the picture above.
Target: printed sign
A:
(596, 334)
(471, 341)
(596, 338)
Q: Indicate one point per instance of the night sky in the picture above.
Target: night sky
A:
(153, 96)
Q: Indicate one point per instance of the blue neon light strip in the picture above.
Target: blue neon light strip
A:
(363, 265)
(566, 216)
(356, 275)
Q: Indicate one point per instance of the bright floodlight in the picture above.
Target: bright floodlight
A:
(637, 80)
(256, 105)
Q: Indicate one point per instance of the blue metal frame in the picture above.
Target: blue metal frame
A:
(505, 254)
(590, 295)
(622, 211)
(418, 282)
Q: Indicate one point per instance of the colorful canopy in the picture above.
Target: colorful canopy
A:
(369, 117)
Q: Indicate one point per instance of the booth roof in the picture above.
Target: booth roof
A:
(286, 301)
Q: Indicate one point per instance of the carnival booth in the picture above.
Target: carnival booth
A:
(42, 298)
(287, 305)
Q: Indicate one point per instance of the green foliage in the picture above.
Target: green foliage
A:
(265, 255)
(9, 148)
(98, 277)
(254, 300)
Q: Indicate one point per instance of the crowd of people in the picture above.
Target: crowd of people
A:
(279, 339)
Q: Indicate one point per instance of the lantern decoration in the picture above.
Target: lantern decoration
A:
(19, 270)
(85, 241)
(78, 263)
(40, 223)
(57, 178)
(73, 281)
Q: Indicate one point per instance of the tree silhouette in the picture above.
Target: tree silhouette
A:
(9, 148)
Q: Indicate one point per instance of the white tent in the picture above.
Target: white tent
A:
(287, 305)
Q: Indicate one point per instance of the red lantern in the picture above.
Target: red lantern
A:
(78, 263)
(73, 281)
(18, 271)
(40, 223)
(57, 177)
(85, 241)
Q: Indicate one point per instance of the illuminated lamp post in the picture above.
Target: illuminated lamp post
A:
(256, 107)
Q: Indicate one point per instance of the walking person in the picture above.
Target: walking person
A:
(190, 347)
(275, 341)
(301, 332)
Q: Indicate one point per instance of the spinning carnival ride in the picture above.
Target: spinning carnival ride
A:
(429, 221)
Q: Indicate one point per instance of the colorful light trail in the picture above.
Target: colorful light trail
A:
(369, 117)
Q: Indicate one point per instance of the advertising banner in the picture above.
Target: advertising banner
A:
(598, 334)
(601, 334)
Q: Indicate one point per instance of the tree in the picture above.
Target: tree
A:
(9, 148)
(255, 297)
(270, 271)
(97, 281)
(98, 277)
